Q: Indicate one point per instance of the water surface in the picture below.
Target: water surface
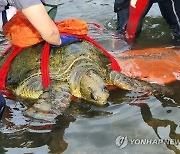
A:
(90, 129)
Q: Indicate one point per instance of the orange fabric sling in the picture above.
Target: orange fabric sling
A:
(20, 32)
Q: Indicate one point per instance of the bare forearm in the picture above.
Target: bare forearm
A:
(52, 36)
(39, 18)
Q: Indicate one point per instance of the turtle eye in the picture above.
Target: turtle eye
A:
(89, 88)
(91, 93)
(105, 88)
(92, 96)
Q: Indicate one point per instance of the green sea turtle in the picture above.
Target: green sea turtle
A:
(79, 69)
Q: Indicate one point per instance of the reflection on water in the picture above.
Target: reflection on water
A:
(91, 129)
(85, 128)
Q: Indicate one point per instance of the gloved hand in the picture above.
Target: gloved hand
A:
(66, 39)
(2, 105)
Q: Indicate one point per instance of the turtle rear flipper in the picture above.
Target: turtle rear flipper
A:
(40, 114)
(53, 102)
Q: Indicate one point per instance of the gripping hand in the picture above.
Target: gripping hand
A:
(66, 39)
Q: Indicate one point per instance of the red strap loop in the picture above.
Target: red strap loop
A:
(5, 67)
(45, 65)
(114, 64)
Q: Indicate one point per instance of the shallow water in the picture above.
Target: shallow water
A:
(90, 129)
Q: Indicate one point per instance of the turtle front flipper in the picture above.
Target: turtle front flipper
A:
(124, 82)
(53, 102)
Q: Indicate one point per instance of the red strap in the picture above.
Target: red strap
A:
(6, 92)
(4, 70)
(6, 51)
(114, 64)
(98, 26)
(45, 65)
(5, 67)
(45, 60)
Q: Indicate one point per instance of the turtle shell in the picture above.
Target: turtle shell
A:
(25, 68)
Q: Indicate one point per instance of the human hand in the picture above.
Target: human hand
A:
(66, 39)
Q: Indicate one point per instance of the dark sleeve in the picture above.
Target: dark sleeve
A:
(21, 4)
(120, 5)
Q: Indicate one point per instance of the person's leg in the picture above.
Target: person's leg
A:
(170, 10)
(2, 105)
(121, 7)
(138, 10)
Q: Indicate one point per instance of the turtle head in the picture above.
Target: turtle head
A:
(93, 88)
